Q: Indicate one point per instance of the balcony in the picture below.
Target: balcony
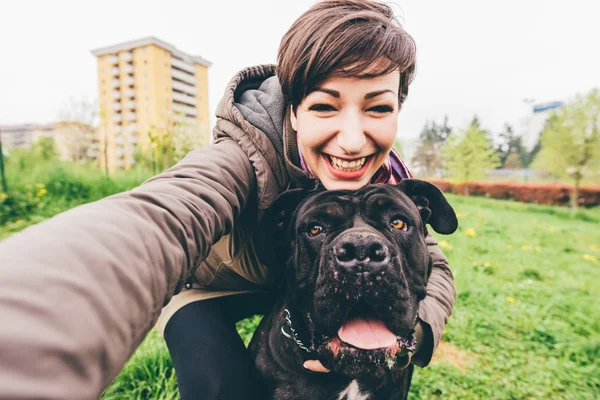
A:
(117, 118)
(118, 139)
(129, 93)
(115, 83)
(113, 60)
(130, 116)
(128, 69)
(114, 71)
(131, 128)
(182, 119)
(183, 65)
(128, 81)
(182, 98)
(119, 163)
(130, 105)
(127, 56)
(182, 109)
(116, 94)
(182, 87)
(132, 139)
(182, 76)
(119, 151)
(116, 106)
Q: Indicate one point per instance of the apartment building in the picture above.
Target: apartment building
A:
(147, 86)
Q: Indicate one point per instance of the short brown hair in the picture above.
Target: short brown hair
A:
(357, 38)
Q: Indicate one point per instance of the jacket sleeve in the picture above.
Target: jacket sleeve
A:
(78, 293)
(436, 307)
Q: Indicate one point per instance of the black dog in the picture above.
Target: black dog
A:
(356, 266)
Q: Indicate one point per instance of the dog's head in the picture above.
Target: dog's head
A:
(356, 266)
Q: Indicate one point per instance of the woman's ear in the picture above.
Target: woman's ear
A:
(293, 118)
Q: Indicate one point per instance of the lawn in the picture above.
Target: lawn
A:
(526, 323)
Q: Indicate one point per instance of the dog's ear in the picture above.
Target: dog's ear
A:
(433, 206)
(272, 242)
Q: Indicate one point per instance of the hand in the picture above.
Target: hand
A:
(316, 366)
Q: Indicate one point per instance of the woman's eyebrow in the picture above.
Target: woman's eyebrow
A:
(368, 96)
(377, 93)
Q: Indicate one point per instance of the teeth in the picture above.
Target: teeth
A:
(347, 166)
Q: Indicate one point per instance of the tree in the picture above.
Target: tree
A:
(469, 154)
(570, 142)
(76, 131)
(512, 153)
(431, 140)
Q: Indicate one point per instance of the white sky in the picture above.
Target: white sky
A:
(474, 57)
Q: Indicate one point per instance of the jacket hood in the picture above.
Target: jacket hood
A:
(252, 112)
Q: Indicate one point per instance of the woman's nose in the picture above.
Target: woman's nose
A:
(351, 138)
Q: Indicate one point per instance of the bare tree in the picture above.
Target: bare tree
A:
(76, 132)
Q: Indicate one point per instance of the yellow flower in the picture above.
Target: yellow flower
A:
(595, 248)
(18, 221)
(525, 247)
(510, 299)
(460, 215)
(39, 185)
(538, 248)
(445, 245)
(41, 192)
(474, 263)
(487, 264)
(589, 257)
(471, 232)
(3, 196)
(509, 246)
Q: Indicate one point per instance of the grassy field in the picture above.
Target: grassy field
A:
(526, 323)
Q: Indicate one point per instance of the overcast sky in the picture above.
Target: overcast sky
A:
(474, 57)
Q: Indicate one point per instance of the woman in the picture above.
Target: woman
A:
(83, 289)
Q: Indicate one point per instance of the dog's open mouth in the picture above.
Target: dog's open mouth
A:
(364, 343)
(365, 331)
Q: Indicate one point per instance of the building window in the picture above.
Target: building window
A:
(147, 110)
(145, 74)
(146, 85)
(145, 49)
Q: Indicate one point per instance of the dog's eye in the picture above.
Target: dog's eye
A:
(315, 230)
(399, 224)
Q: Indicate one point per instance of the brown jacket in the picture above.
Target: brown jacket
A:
(79, 292)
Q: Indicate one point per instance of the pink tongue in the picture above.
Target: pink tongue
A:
(367, 333)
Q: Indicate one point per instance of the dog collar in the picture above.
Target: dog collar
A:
(293, 335)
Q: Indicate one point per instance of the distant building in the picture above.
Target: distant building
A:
(532, 126)
(72, 140)
(147, 84)
(24, 136)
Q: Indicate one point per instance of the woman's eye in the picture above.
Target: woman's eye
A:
(321, 108)
(399, 224)
(315, 230)
(381, 109)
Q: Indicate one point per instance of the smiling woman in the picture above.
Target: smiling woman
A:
(179, 250)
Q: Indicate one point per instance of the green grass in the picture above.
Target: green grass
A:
(526, 321)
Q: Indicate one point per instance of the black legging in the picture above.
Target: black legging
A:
(210, 359)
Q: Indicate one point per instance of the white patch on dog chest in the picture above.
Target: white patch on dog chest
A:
(352, 392)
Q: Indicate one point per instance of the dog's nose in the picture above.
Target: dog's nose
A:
(358, 253)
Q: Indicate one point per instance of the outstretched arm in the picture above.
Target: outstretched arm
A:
(79, 292)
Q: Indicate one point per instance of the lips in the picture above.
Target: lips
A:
(346, 168)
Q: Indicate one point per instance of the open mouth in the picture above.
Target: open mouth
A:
(365, 331)
(346, 168)
(365, 346)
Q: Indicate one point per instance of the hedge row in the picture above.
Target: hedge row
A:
(539, 193)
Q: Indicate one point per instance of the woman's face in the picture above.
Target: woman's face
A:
(346, 128)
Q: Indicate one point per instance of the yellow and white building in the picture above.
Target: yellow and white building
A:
(147, 85)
